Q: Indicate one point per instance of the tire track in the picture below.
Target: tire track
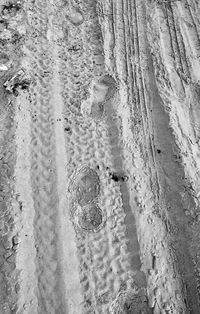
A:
(131, 66)
(177, 43)
(178, 282)
(94, 263)
(136, 90)
(167, 53)
(186, 138)
(10, 200)
(44, 180)
(173, 35)
(191, 284)
(139, 17)
(125, 229)
(186, 75)
(146, 231)
(193, 18)
(26, 249)
(72, 289)
(190, 36)
(80, 149)
(119, 168)
(136, 265)
(128, 266)
(9, 208)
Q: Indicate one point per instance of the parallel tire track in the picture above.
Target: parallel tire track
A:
(109, 115)
(148, 127)
(168, 34)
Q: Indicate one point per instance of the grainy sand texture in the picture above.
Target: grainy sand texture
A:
(100, 157)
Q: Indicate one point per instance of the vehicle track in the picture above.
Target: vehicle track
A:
(106, 182)
(9, 209)
(175, 114)
(10, 202)
(155, 134)
(43, 172)
(100, 152)
(137, 56)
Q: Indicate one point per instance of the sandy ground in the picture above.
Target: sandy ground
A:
(100, 157)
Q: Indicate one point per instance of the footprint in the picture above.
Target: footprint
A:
(84, 185)
(101, 92)
(75, 17)
(90, 217)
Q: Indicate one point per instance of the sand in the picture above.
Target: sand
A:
(99, 155)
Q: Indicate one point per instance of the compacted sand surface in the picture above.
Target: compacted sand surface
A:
(100, 157)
